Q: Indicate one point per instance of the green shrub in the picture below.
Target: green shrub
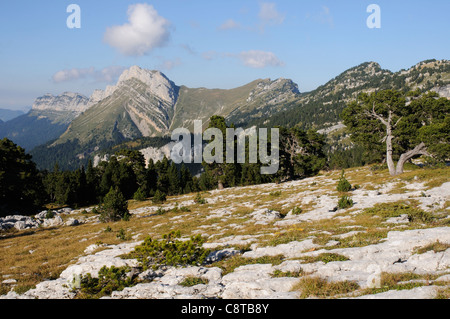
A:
(198, 199)
(345, 202)
(160, 211)
(297, 211)
(170, 251)
(114, 207)
(139, 195)
(109, 280)
(275, 194)
(50, 214)
(420, 216)
(122, 235)
(343, 184)
(159, 197)
(388, 210)
(182, 209)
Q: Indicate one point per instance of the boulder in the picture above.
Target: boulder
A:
(265, 216)
(72, 222)
(256, 282)
(221, 254)
(53, 222)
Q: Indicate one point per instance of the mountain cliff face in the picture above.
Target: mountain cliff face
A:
(49, 117)
(146, 103)
(67, 101)
(141, 104)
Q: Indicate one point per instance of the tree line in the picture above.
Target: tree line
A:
(24, 188)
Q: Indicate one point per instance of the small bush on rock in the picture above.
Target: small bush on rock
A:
(109, 280)
(170, 251)
(198, 199)
(343, 185)
(387, 210)
(345, 202)
(193, 281)
(297, 211)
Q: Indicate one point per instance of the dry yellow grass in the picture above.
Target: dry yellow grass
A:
(32, 256)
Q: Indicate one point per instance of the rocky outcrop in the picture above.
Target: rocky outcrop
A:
(443, 91)
(256, 281)
(273, 253)
(68, 101)
(43, 219)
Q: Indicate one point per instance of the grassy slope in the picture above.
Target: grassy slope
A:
(203, 103)
(33, 256)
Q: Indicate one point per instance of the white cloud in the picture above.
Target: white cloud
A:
(325, 16)
(72, 74)
(170, 64)
(106, 75)
(109, 74)
(259, 59)
(145, 31)
(269, 14)
(230, 24)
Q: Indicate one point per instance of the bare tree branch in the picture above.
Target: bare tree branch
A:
(398, 121)
(378, 117)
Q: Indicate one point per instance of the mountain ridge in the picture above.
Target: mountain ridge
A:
(146, 103)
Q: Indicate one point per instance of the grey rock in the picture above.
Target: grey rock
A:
(290, 250)
(425, 292)
(20, 225)
(72, 222)
(53, 222)
(221, 254)
(265, 216)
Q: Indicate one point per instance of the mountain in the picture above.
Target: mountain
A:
(48, 118)
(201, 104)
(145, 103)
(6, 114)
(66, 102)
(321, 108)
(141, 104)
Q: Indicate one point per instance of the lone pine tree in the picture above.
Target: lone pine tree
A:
(403, 125)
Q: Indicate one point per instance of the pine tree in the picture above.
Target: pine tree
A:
(163, 182)
(21, 187)
(185, 179)
(151, 178)
(402, 126)
(114, 206)
(174, 180)
(92, 181)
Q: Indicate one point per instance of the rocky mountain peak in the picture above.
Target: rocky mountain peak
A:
(67, 101)
(274, 91)
(157, 84)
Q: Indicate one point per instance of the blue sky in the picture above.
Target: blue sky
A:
(213, 44)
